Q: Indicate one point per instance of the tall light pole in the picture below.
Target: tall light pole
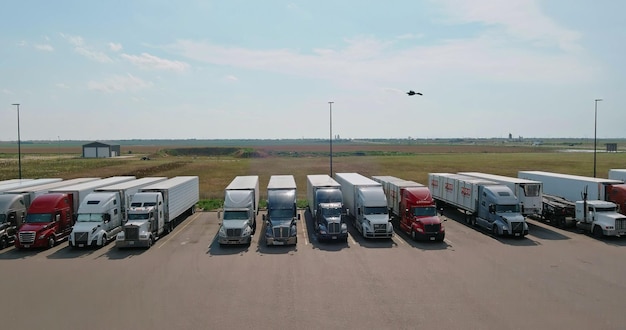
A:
(330, 104)
(595, 135)
(19, 143)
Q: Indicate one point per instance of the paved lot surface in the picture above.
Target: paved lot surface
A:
(552, 279)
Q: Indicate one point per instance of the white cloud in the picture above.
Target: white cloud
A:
(522, 19)
(73, 40)
(81, 48)
(115, 47)
(128, 83)
(151, 62)
(62, 86)
(6, 91)
(231, 78)
(46, 48)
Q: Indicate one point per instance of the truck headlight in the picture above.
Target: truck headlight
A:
(294, 231)
(247, 231)
(143, 236)
(505, 228)
(42, 236)
(344, 228)
(610, 227)
(222, 232)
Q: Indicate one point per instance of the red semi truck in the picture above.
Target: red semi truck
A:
(411, 203)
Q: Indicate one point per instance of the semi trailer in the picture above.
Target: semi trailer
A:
(241, 207)
(157, 209)
(486, 204)
(413, 208)
(366, 205)
(325, 203)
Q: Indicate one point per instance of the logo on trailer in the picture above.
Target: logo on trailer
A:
(434, 183)
(465, 191)
(449, 186)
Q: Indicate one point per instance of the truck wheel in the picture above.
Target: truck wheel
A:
(597, 232)
(473, 221)
(494, 230)
(51, 242)
(104, 240)
(253, 228)
(150, 241)
(4, 242)
(413, 235)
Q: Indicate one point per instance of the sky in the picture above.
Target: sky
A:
(155, 69)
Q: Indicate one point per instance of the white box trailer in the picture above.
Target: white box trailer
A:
(128, 189)
(570, 187)
(27, 183)
(282, 213)
(366, 205)
(180, 195)
(617, 174)
(81, 190)
(315, 182)
(529, 192)
(29, 193)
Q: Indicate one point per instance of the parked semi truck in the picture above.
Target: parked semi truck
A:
(485, 203)
(574, 188)
(103, 212)
(14, 203)
(241, 206)
(366, 205)
(25, 183)
(325, 203)
(413, 208)
(157, 209)
(617, 174)
(282, 214)
(528, 192)
(51, 216)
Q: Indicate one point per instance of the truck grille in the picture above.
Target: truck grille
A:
(517, 227)
(432, 228)
(81, 237)
(27, 237)
(380, 228)
(620, 224)
(334, 228)
(233, 232)
(131, 232)
(281, 232)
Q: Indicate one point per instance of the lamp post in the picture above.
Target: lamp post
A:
(595, 135)
(19, 143)
(330, 104)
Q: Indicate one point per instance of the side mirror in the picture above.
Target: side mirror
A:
(263, 217)
(107, 218)
(219, 214)
(298, 216)
(441, 211)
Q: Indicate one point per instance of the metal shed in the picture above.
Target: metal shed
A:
(100, 150)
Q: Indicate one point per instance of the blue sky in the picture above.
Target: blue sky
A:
(112, 70)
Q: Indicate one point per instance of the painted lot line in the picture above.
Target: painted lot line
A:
(172, 235)
(304, 230)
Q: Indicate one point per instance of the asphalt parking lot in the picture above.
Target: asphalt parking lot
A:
(553, 278)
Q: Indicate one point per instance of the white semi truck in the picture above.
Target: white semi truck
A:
(575, 188)
(282, 213)
(529, 192)
(157, 209)
(366, 204)
(241, 206)
(104, 211)
(486, 204)
(326, 207)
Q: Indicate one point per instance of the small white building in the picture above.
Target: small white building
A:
(100, 150)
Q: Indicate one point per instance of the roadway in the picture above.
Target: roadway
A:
(553, 278)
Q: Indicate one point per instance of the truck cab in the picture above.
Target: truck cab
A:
(600, 218)
(281, 228)
(239, 218)
(145, 221)
(99, 219)
(420, 219)
(499, 211)
(328, 215)
(12, 212)
(372, 218)
(49, 219)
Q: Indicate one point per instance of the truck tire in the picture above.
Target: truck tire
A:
(414, 235)
(597, 232)
(4, 242)
(494, 231)
(104, 240)
(51, 242)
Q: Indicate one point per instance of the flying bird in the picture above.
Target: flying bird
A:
(411, 93)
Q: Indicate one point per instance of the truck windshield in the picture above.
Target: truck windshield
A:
(38, 218)
(375, 210)
(429, 211)
(89, 217)
(331, 213)
(507, 208)
(138, 216)
(606, 209)
(235, 215)
(532, 189)
(281, 213)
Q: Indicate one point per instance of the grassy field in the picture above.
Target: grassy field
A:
(215, 172)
